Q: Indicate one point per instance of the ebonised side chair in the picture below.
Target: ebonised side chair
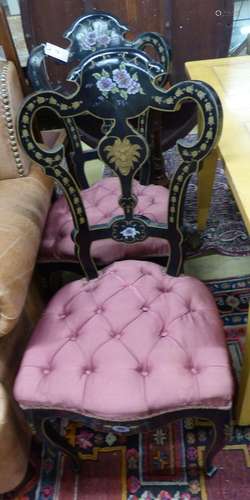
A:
(133, 325)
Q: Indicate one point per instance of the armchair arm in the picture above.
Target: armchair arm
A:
(24, 204)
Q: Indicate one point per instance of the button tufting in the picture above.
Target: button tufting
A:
(164, 289)
(144, 308)
(99, 310)
(46, 371)
(90, 288)
(62, 316)
(73, 337)
(163, 333)
(62, 234)
(144, 373)
(194, 371)
(87, 372)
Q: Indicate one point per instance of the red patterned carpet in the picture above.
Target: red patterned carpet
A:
(165, 464)
(225, 232)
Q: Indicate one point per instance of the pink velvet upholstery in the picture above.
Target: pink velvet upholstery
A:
(101, 203)
(131, 343)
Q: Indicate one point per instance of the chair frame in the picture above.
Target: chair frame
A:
(128, 227)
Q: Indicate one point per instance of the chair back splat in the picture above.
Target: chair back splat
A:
(118, 86)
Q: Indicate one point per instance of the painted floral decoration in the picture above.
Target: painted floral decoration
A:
(119, 82)
(95, 36)
(129, 232)
(123, 154)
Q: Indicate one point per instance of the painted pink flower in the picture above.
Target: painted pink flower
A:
(134, 87)
(47, 491)
(133, 484)
(90, 38)
(164, 495)
(105, 84)
(83, 439)
(122, 78)
(185, 496)
(103, 40)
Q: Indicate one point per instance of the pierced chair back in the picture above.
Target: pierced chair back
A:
(122, 148)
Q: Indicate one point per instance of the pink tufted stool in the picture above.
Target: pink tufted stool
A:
(101, 203)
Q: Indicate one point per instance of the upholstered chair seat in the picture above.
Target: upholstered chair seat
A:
(132, 343)
(101, 204)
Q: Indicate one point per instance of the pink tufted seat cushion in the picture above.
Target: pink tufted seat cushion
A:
(131, 343)
(101, 203)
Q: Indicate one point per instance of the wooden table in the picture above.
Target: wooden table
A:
(230, 77)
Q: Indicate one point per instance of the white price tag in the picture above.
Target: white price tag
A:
(56, 52)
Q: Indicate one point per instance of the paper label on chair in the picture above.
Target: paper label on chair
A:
(56, 52)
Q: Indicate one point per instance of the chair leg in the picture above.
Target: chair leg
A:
(221, 424)
(58, 441)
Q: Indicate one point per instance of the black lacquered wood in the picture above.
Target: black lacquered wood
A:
(47, 422)
(118, 86)
(94, 33)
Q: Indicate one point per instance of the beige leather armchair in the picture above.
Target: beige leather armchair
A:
(25, 195)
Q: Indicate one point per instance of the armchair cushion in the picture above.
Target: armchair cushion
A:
(101, 203)
(24, 204)
(165, 350)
